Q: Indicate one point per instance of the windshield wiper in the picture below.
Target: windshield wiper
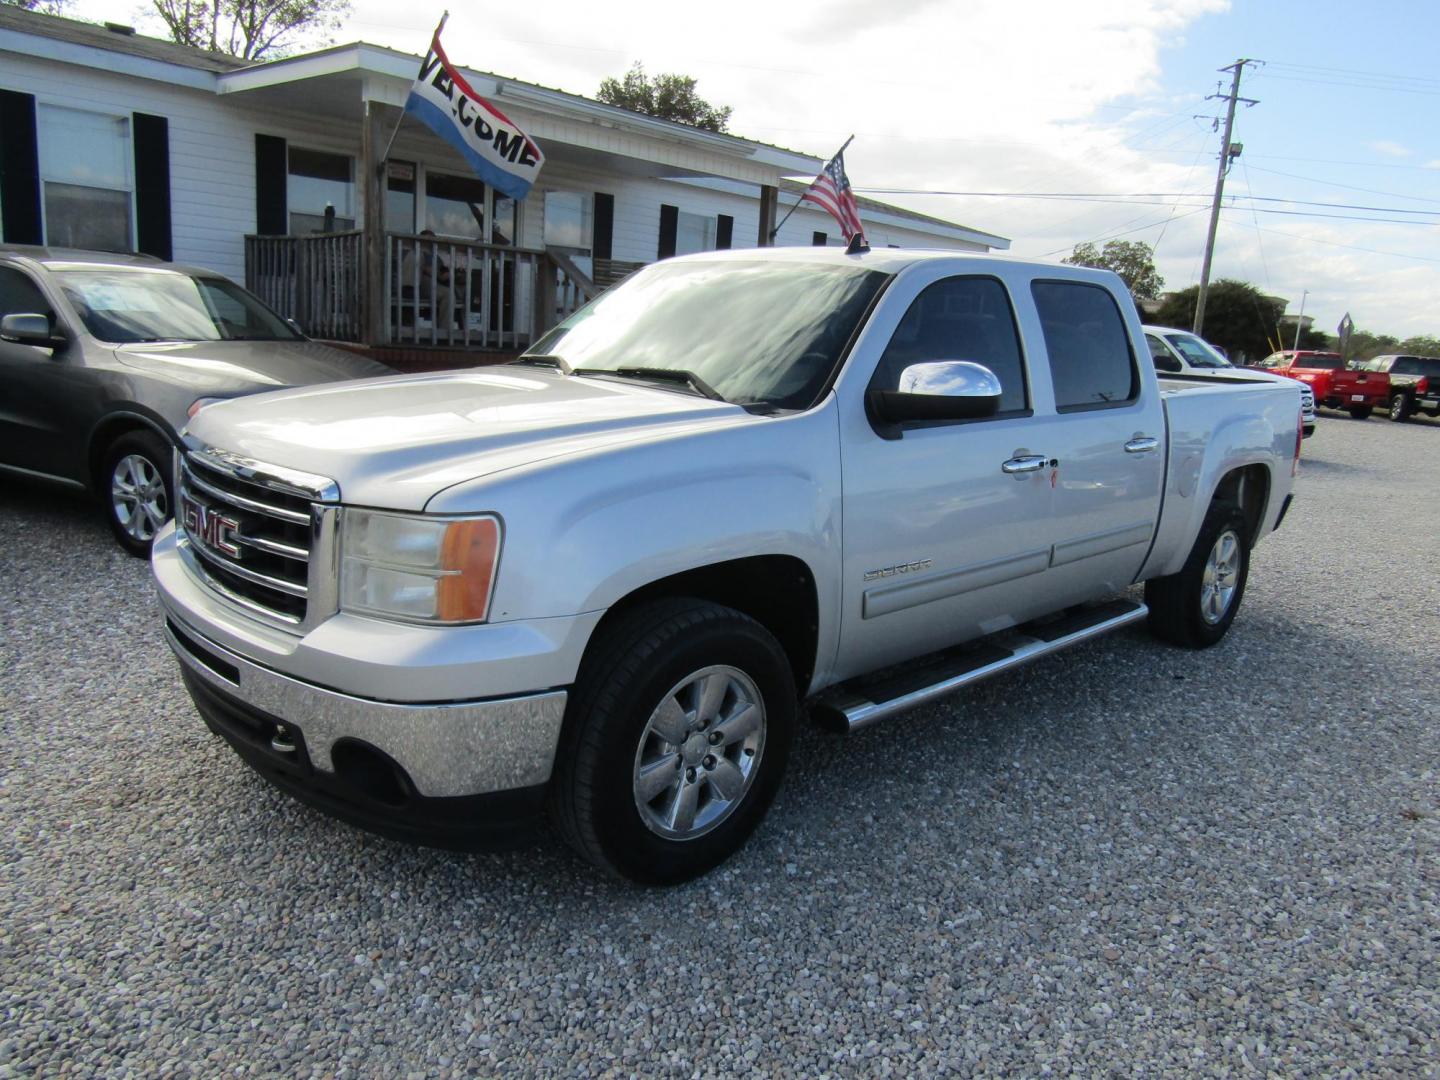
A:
(551, 360)
(666, 375)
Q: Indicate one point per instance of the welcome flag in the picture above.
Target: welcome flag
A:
(498, 151)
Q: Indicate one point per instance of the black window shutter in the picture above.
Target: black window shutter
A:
(818, 239)
(669, 223)
(602, 244)
(19, 169)
(152, 185)
(272, 174)
(724, 229)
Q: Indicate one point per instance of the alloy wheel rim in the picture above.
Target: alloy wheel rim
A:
(699, 753)
(137, 497)
(1220, 578)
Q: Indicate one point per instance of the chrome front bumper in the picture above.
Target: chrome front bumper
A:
(447, 749)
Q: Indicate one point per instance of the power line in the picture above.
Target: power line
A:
(1142, 198)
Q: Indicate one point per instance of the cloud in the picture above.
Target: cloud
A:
(1390, 149)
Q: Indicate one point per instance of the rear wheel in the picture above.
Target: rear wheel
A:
(135, 487)
(1360, 412)
(1196, 606)
(675, 741)
(1399, 408)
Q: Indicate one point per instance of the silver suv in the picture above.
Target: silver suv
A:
(104, 357)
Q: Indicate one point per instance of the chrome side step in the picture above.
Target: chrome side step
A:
(863, 701)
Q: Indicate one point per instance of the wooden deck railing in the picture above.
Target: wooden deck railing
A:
(436, 292)
(315, 280)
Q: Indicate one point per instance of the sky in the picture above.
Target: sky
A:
(1022, 98)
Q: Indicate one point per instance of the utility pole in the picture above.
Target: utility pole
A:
(1227, 154)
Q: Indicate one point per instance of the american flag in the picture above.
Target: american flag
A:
(831, 192)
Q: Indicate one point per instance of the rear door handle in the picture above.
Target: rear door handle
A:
(1023, 464)
(1142, 445)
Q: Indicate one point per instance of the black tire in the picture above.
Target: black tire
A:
(1177, 602)
(1359, 412)
(1399, 408)
(134, 487)
(642, 659)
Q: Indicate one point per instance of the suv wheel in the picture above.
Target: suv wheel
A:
(136, 489)
(676, 738)
(1399, 408)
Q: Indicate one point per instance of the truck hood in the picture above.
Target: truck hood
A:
(396, 442)
(226, 368)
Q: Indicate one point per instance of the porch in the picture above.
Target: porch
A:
(434, 293)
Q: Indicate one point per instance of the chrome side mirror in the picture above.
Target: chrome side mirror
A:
(939, 390)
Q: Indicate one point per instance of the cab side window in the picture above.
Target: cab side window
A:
(1160, 355)
(1091, 364)
(960, 318)
(21, 296)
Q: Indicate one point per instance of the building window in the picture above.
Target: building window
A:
(569, 221)
(454, 205)
(818, 239)
(694, 232)
(400, 196)
(86, 167)
(319, 180)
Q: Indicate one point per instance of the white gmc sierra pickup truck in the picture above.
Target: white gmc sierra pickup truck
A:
(605, 578)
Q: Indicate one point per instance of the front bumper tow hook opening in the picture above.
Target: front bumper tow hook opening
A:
(281, 742)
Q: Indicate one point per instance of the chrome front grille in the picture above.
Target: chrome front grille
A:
(1307, 400)
(261, 536)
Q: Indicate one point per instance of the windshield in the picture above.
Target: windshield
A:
(124, 306)
(1197, 351)
(756, 332)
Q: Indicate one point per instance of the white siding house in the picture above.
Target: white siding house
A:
(272, 173)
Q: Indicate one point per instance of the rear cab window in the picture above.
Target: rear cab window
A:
(1091, 362)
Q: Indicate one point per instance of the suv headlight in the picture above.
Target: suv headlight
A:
(418, 568)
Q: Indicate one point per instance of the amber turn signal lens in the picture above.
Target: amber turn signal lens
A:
(469, 552)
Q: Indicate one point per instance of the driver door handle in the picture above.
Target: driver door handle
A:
(1142, 445)
(1024, 464)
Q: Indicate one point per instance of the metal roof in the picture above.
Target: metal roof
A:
(116, 38)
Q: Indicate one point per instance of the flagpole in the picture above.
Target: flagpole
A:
(380, 166)
(775, 231)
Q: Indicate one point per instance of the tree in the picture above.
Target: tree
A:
(1421, 345)
(1238, 317)
(1132, 260)
(49, 7)
(670, 97)
(249, 29)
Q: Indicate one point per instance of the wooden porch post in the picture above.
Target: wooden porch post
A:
(769, 199)
(372, 278)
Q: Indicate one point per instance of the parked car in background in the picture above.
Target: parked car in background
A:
(1335, 386)
(1179, 352)
(104, 357)
(1414, 383)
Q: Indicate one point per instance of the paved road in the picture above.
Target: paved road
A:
(1126, 859)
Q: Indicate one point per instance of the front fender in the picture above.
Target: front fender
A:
(583, 531)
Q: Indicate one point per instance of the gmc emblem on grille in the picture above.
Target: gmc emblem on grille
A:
(209, 529)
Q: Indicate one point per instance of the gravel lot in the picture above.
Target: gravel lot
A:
(1126, 859)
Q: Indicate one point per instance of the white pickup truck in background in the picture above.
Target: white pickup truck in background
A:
(606, 578)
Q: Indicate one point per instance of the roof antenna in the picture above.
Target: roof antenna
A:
(857, 244)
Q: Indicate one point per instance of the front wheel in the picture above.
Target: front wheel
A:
(135, 487)
(1399, 408)
(1196, 606)
(675, 741)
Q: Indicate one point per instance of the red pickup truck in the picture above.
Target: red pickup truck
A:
(1335, 386)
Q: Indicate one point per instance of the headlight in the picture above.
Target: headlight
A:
(418, 569)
